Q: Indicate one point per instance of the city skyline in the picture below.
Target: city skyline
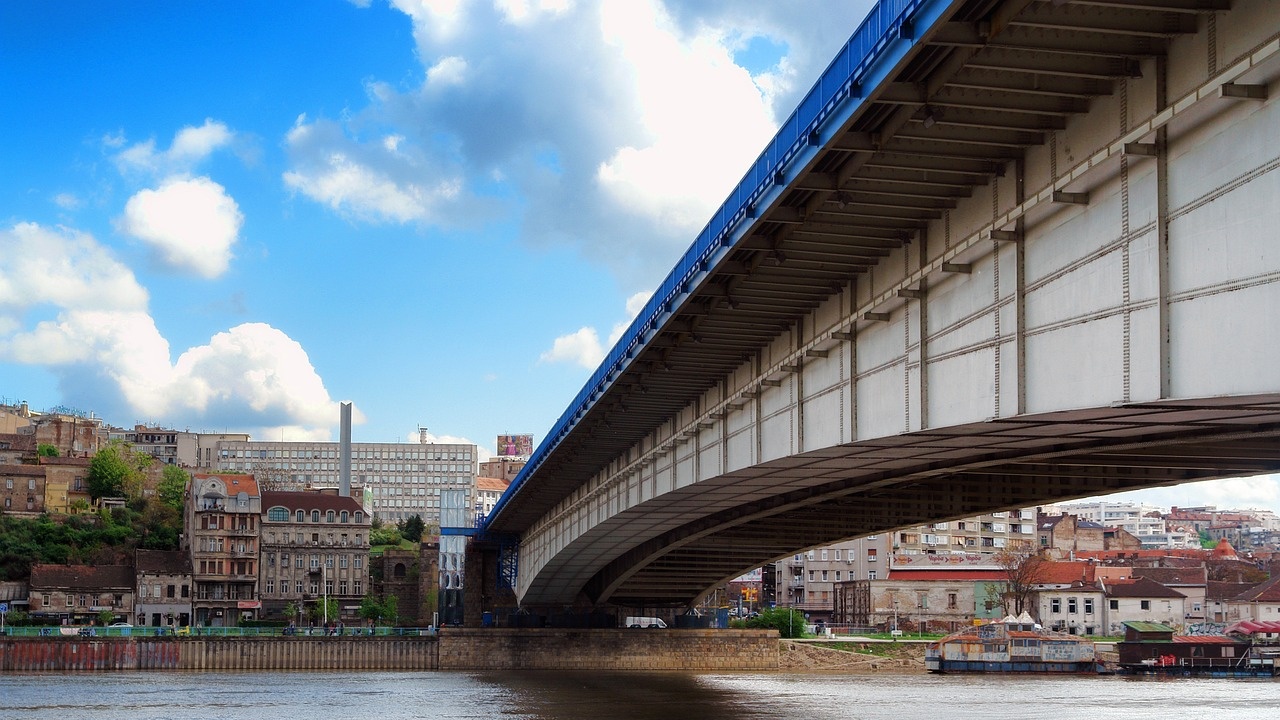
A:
(232, 217)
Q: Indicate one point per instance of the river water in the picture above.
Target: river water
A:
(583, 696)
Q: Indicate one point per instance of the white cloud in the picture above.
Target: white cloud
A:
(423, 435)
(67, 201)
(612, 128)
(703, 116)
(583, 347)
(448, 71)
(376, 182)
(521, 11)
(258, 367)
(62, 267)
(107, 352)
(191, 225)
(433, 19)
(1261, 491)
(190, 146)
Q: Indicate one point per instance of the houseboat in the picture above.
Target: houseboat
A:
(1153, 649)
(1011, 645)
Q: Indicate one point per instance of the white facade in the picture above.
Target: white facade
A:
(1131, 517)
(396, 480)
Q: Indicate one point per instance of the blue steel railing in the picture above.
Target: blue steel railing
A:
(839, 82)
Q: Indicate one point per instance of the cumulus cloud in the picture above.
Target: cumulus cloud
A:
(190, 224)
(617, 127)
(107, 352)
(64, 268)
(189, 147)
(382, 181)
(583, 347)
(426, 436)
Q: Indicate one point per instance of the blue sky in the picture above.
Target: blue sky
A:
(234, 215)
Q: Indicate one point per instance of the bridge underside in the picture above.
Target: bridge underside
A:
(709, 533)
(1032, 206)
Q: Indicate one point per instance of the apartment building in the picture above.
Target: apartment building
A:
(222, 525)
(1134, 518)
(163, 595)
(315, 545)
(808, 581)
(394, 481)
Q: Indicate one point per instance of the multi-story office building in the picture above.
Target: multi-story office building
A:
(222, 524)
(395, 481)
(315, 545)
(159, 443)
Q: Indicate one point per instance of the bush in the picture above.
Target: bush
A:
(789, 622)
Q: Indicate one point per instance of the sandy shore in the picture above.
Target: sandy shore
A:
(853, 658)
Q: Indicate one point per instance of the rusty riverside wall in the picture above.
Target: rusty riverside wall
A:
(231, 653)
(455, 649)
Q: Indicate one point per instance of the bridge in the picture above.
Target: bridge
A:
(1004, 252)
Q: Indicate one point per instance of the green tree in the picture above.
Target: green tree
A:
(385, 535)
(106, 617)
(412, 528)
(789, 622)
(107, 472)
(117, 471)
(379, 610)
(318, 613)
(172, 489)
(47, 450)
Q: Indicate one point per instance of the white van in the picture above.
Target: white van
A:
(643, 622)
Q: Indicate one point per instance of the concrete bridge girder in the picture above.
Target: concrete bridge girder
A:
(1082, 320)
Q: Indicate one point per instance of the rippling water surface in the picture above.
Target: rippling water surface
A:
(579, 696)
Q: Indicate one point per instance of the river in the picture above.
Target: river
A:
(583, 696)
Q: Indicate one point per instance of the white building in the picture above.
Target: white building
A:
(1139, 520)
(395, 481)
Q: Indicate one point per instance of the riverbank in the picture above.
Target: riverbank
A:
(847, 656)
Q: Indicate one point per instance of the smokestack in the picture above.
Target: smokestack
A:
(344, 452)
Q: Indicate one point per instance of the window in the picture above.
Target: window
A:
(300, 516)
(1055, 605)
(343, 516)
(278, 514)
(1088, 606)
(1113, 604)
(1145, 604)
(271, 587)
(359, 519)
(329, 516)
(951, 601)
(1072, 607)
(871, 574)
(315, 516)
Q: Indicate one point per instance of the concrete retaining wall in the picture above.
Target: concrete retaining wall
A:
(608, 649)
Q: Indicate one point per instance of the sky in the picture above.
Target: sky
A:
(232, 216)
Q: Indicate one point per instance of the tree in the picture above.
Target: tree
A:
(117, 470)
(172, 489)
(107, 473)
(1024, 569)
(789, 622)
(47, 450)
(324, 608)
(371, 608)
(412, 528)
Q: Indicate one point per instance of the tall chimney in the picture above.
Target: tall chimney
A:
(344, 452)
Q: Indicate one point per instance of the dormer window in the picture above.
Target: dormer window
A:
(315, 516)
